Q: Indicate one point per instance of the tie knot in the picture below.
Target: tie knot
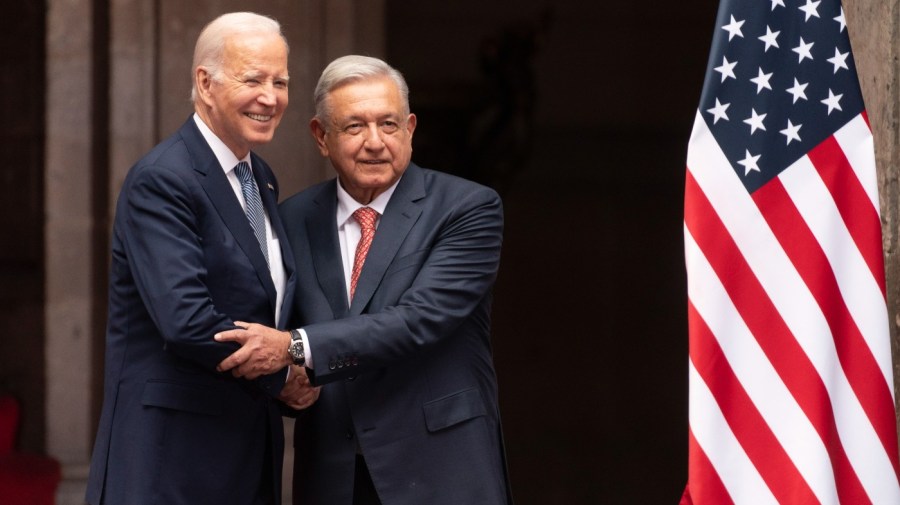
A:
(365, 216)
(242, 170)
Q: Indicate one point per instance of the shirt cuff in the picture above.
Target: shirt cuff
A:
(307, 351)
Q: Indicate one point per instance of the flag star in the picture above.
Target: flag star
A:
(718, 111)
(803, 50)
(770, 38)
(749, 162)
(727, 69)
(798, 90)
(792, 132)
(734, 28)
(833, 101)
(839, 60)
(762, 81)
(776, 3)
(811, 9)
(755, 121)
(842, 20)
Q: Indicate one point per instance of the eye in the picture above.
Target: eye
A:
(281, 84)
(389, 127)
(353, 129)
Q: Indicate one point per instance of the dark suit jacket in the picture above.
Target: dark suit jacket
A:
(185, 265)
(407, 368)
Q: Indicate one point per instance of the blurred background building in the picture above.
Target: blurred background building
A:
(577, 112)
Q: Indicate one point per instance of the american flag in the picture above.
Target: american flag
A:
(791, 385)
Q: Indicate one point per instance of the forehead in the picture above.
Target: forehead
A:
(377, 95)
(256, 51)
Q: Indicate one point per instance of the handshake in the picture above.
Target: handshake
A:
(264, 351)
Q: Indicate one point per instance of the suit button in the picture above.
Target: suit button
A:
(349, 435)
(332, 365)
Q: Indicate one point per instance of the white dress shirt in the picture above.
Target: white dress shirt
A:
(228, 160)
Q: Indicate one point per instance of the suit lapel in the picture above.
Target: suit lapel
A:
(326, 254)
(221, 194)
(268, 190)
(401, 213)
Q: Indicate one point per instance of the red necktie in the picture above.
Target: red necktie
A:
(365, 216)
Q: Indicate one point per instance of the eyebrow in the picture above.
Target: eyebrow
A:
(382, 117)
(257, 75)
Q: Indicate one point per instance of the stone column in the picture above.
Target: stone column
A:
(134, 85)
(873, 26)
(70, 250)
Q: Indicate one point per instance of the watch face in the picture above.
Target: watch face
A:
(296, 351)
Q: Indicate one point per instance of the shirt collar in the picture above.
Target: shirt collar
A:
(226, 158)
(347, 205)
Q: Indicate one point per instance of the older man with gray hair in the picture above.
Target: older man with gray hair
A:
(197, 247)
(392, 313)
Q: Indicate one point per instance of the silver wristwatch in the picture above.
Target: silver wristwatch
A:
(296, 350)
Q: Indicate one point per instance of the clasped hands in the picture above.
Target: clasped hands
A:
(264, 351)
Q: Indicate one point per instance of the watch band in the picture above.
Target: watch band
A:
(295, 349)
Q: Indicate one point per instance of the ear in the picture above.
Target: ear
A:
(318, 132)
(203, 81)
(411, 125)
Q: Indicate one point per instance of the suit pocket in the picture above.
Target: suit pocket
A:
(186, 397)
(453, 409)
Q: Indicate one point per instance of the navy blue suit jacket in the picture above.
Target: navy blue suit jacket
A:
(185, 265)
(407, 368)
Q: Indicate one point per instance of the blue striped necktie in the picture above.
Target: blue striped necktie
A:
(254, 207)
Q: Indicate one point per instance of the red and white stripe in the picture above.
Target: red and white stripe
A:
(791, 384)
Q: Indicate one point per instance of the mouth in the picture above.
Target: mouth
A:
(259, 117)
(373, 162)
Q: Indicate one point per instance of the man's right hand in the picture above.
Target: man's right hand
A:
(263, 350)
(298, 393)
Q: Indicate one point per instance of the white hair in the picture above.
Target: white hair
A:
(210, 49)
(354, 68)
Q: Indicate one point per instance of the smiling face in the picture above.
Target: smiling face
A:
(243, 103)
(367, 136)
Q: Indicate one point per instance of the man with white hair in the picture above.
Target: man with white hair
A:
(197, 247)
(392, 312)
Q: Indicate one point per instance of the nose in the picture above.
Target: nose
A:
(267, 95)
(373, 137)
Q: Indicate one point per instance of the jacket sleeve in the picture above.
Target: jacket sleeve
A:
(451, 275)
(168, 257)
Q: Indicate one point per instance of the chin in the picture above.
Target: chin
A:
(261, 138)
(375, 180)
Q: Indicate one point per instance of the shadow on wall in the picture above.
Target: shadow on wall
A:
(485, 131)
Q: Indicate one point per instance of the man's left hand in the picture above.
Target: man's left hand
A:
(263, 350)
